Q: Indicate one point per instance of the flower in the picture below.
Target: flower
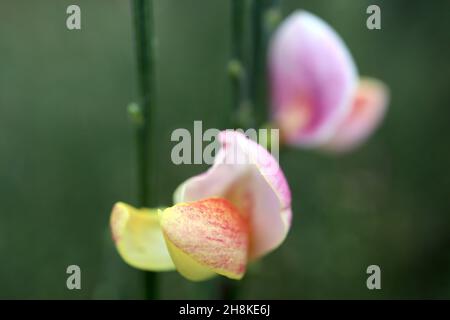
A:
(313, 78)
(237, 211)
(315, 89)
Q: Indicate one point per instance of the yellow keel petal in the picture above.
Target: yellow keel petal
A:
(187, 266)
(138, 238)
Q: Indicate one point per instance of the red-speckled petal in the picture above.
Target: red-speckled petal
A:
(206, 237)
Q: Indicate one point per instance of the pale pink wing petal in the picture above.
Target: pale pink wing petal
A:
(214, 182)
(313, 78)
(368, 109)
(266, 195)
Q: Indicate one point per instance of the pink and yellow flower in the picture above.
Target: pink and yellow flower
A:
(237, 211)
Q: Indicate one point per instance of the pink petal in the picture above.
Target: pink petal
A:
(249, 176)
(313, 78)
(368, 109)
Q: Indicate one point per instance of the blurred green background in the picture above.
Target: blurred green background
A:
(67, 151)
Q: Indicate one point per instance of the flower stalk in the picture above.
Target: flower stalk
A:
(238, 68)
(246, 70)
(240, 99)
(144, 40)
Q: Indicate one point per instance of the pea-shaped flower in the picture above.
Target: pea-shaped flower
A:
(313, 79)
(316, 99)
(237, 211)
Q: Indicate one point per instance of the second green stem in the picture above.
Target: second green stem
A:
(144, 39)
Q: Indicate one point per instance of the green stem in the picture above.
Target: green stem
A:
(237, 29)
(237, 67)
(265, 18)
(144, 38)
(248, 76)
(256, 37)
(240, 99)
(257, 74)
(244, 71)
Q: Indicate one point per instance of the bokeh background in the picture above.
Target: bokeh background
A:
(67, 151)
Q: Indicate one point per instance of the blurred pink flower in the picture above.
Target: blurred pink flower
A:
(313, 78)
(313, 85)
